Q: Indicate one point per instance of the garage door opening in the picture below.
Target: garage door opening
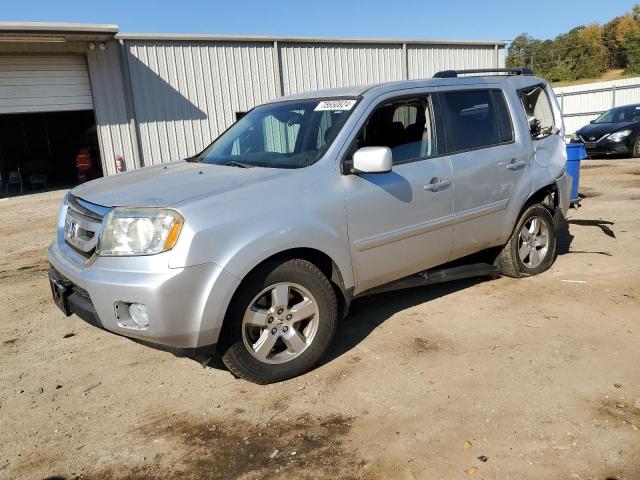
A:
(47, 151)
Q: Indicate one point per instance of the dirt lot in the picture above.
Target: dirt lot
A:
(540, 376)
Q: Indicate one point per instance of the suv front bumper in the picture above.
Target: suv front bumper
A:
(607, 147)
(185, 306)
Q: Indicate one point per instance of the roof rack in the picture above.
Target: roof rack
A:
(508, 71)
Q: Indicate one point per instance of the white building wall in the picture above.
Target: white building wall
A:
(425, 60)
(115, 126)
(186, 93)
(186, 90)
(315, 66)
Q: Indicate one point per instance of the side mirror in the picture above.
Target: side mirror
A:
(592, 121)
(372, 160)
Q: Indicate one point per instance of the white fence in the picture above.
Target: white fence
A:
(582, 103)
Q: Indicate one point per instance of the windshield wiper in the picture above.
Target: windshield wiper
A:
(234, 163)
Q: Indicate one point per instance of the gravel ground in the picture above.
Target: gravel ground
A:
(506, 379)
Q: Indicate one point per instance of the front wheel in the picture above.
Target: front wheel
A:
(281, 321)
(532, 247)
(636, 148)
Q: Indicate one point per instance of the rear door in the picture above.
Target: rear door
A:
(488, 165)
(399, 222)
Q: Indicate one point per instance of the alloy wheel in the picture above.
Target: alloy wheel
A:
(280, 323)
(533, 242)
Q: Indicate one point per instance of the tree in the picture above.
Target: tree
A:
(582, 52)
(519, 52)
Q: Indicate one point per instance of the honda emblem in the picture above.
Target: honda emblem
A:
(71, 228)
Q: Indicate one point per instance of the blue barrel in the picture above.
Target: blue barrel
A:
(575, 153)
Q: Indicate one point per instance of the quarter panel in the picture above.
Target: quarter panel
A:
(548, 156)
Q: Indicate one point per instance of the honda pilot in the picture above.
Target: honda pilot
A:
(254, 248)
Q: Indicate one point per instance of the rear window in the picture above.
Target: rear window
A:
(475, 119)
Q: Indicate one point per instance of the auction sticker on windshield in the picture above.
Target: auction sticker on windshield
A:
(335, 105)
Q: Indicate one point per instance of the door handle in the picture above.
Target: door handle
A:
(516, 164)
(436, 184)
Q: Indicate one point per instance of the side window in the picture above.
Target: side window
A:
(476, 119)
(405, 126)
(537, 106)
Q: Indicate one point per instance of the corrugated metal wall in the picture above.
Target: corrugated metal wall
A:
(115, 126)
(425, 60)
(186, 93)
(583, 103)
(310, 66)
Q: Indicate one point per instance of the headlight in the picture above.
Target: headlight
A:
(140, 231)
(619, 135)
(574, 137)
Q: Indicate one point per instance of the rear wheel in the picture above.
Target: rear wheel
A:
(280, 323)
(532, 247)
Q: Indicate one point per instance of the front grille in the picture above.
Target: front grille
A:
(82, 225)
(587, 139)
(599, 151)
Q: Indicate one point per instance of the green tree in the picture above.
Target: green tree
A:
(519, 52)
(582, 52)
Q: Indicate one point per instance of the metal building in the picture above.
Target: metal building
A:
(157, 97)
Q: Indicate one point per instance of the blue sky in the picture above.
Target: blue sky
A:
(447, 19)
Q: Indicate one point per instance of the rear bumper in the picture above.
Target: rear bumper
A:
(186, 306)
(563, 188)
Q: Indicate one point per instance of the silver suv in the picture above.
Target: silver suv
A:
(255, 247)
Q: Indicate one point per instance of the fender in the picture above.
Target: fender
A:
(238, 243)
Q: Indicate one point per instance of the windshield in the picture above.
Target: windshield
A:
(280, 135)
(621, 114)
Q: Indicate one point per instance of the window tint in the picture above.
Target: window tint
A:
(476, 119)
(404, 126)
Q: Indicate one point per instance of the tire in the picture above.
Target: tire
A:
(269, 335)
(517, 258)
(636, 148)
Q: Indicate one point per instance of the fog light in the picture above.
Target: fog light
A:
(138, 313)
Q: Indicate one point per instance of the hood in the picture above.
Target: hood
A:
(167, 184)
(597, 130)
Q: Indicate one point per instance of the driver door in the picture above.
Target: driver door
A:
(400, 222)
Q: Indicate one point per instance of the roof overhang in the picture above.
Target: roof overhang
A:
(301, 39)
(46, 32)
(42, 32)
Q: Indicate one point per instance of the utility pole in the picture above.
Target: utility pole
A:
(531, 59)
